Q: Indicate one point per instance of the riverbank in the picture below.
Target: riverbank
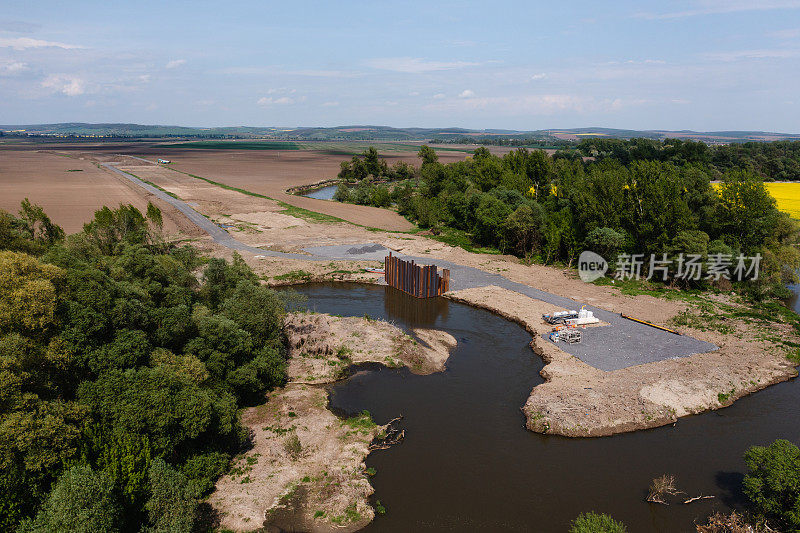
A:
(306, 468)
(578, 400)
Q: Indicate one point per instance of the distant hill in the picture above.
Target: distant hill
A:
(366, 133)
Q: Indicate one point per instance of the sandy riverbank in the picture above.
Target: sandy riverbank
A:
(306, 469)
(578, 400)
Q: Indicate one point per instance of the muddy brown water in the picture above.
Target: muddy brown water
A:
(469, 464)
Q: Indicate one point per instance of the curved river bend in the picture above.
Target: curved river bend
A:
(468, 463)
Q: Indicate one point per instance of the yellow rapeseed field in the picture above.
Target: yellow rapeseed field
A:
(787, 195)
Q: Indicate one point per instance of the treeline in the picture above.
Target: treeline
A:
(771, 161)
(549, 209)
(123, 364)
(540, 143)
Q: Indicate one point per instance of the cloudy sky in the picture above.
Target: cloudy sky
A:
(699, 64)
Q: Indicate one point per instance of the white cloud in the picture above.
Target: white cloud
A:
(144, 78)
(539, 76)
(269, 100)
(415, 65)
(65, 84)
(438, 96)
(716, 7)
(9, 68)
(777, 53)
(175, 63)
(467, 93)
(23, 43)
(330, 104)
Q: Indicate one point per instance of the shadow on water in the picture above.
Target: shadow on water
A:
(468, 463)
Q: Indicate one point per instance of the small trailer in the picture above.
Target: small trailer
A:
(164, 161)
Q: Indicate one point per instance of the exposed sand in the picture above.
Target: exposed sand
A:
(578, 400)
(69, 189)
(306, 468)
(323, 347)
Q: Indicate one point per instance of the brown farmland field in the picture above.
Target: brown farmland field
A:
(69, 189)
(271, 172)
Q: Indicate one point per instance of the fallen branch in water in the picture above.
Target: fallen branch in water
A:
(690, 500)
(393, 436)
(661, 487)
(388, 442)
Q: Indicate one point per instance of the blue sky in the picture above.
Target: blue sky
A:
(702, 65)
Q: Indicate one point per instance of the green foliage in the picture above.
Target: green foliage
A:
(82, 501)
(773, 482)
(636, 197)
(596, 523)
(114, 358)
(172, 507)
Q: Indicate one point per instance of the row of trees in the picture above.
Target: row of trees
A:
(121, 374)
(550, 209)
(778, 161)
(369, 166)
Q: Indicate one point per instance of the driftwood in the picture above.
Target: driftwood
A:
(393, 436)
(690, 500)
(661, 487)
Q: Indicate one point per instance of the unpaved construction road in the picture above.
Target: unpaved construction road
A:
(621, 344)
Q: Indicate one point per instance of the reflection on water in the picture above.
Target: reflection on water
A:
(414, 312)
(325, 193)
(469, 464)
(794, 301)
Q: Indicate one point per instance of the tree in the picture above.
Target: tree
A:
(427, 155)
(523, 228)
(38, 225)
(154, 215)
(773, 483)
(27, 292)
(746, 211)
(596, 523)
(82, 501)
(489, 218)
(607, 242)
(172, 506)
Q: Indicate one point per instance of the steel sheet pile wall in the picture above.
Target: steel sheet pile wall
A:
(421, 281)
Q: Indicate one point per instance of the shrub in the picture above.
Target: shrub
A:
(81, 501)
(596, 523)
(773, 483)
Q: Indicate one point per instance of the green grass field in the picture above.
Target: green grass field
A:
(236, 145)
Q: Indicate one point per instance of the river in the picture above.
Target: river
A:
(325, 193)
(468, 463)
